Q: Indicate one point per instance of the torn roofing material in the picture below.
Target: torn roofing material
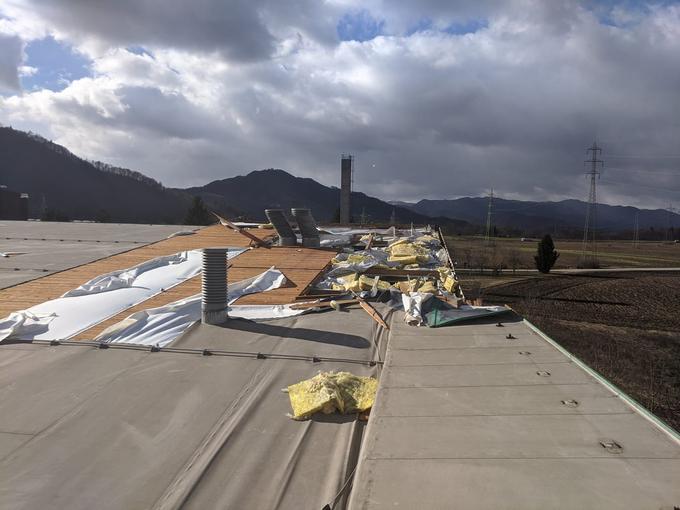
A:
(51, 286)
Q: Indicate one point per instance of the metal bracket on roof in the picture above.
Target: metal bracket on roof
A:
(206, 352)
(525, 353)
(570, 403)
(509, 336)
(500, 325)
(316, 360)
(543, 373)
(55, 342)
(103, 345)
(154, 348)
(260, 356)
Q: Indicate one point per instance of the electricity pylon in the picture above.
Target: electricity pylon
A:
(670, 230)
(589, 250)
(489, 212)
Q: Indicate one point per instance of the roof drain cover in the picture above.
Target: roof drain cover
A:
(282, 227)
(307, 225)
(214, 286)
(611, 446)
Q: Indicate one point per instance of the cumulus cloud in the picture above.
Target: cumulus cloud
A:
(431, 111)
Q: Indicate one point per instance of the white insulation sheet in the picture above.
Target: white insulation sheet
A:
(160, 326)
(102, 297)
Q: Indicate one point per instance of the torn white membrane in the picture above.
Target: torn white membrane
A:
(160, 326)
(413, 307)
(102, 297)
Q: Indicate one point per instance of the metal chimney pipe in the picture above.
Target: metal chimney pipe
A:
(214, 286)
(283, 229)
(307, 226)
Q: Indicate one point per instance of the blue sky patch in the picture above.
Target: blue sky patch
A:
(57, 64)
(603, 9)
(359, 26)
(138, 50)
(457, 28)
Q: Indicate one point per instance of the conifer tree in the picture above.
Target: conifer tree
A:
(546, 255)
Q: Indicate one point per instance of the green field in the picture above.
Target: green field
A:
(472, 252)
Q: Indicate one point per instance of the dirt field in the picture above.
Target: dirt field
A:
(509, 252)
(624, 325)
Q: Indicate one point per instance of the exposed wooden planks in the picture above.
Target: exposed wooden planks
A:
(25, 295)
(300, 265)
(52, 286)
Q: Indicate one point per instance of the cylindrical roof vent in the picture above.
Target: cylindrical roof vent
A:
(283, 229)
(307, 226)
(214, 286)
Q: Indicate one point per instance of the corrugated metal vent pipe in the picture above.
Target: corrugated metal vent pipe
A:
(283, 229)
(214, 286)
(307, 226)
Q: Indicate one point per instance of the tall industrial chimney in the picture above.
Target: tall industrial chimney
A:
(346, 170)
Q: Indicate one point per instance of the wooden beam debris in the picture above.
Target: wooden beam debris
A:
(253, 238)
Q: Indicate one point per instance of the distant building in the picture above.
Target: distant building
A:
(13, 205)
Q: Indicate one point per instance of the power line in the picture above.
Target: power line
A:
(660, 188)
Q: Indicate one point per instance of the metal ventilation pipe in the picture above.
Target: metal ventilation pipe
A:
(283, 229)
(214, 286)
(307, 226)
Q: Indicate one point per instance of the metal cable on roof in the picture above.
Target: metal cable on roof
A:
(207, 352)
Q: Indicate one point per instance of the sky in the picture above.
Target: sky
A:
(435, 99)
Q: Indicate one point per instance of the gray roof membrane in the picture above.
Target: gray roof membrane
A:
(41, 248)
(464, 418)
(85, 428)
(467, 418)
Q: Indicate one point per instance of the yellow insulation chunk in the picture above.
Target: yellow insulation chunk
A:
(405, 252)
(449, 283)
(358, 283)
(328, 392)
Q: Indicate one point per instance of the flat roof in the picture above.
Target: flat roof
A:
(42, 248)
(84, 427)
(466, 417)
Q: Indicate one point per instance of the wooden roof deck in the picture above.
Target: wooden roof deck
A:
(299, 265)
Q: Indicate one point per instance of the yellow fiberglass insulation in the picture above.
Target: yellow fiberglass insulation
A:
(406, 252)
(328, 392)
(358, 283)
(449, 282)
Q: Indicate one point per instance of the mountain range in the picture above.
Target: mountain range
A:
(534, 218)
(64, 186)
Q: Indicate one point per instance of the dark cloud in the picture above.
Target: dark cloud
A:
(10, 60)
(233, 28)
